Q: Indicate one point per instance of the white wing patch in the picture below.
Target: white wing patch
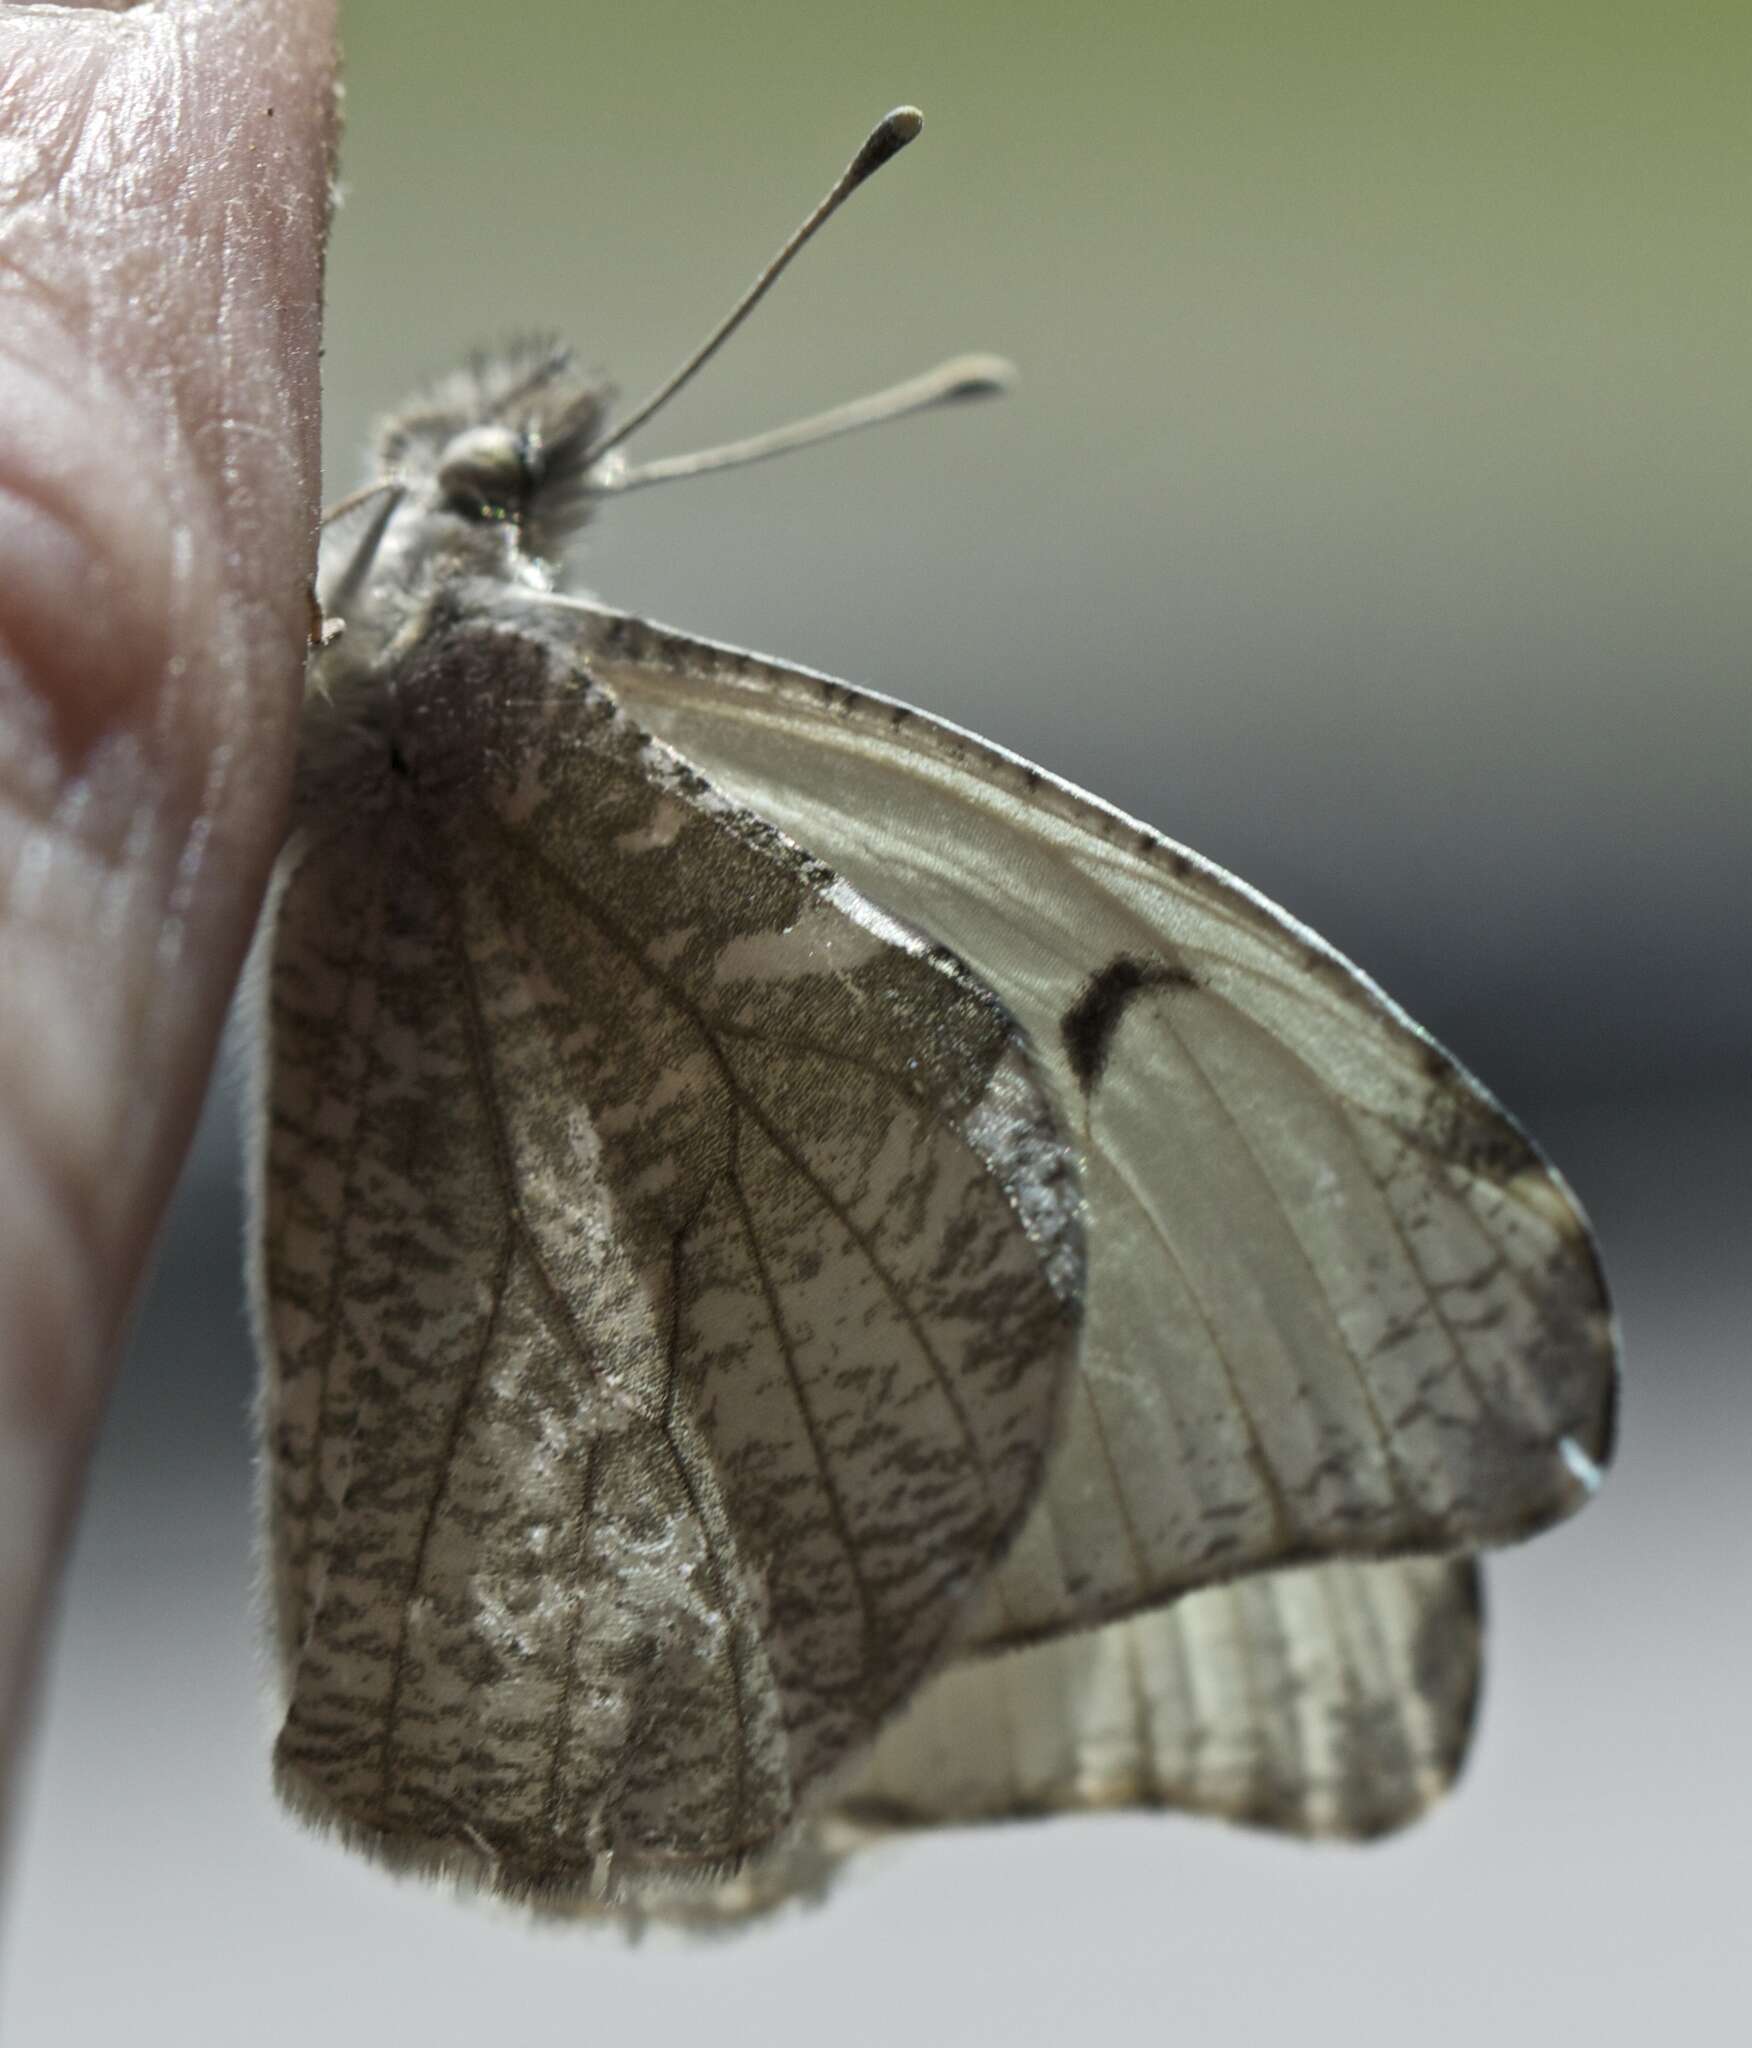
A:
(1338, 1305)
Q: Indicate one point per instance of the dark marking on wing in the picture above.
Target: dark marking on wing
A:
(1089, 1026)
(1466, 1132)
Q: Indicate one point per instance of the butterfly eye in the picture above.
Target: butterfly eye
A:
(485, 473)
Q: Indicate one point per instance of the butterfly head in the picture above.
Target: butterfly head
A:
(505, 442)
(485, 475)
(493, 473)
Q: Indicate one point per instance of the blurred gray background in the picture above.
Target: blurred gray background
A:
(1374, 517)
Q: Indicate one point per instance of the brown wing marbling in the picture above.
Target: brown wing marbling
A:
(669, 1269)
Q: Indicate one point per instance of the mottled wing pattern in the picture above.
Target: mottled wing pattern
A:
(1332, 1700)
(668, 1266)
(1338, 1304)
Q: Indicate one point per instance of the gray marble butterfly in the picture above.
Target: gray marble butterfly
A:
(814, 1278)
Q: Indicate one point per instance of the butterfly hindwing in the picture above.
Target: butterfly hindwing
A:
(1331, 1700)
(1339, 1305)
(669, 1266)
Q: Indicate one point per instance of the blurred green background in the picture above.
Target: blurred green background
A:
(1373, 515)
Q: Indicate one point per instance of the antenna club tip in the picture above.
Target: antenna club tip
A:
(888, 138)
(979, 376)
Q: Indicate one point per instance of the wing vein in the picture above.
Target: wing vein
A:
(558, 1318)
(721, 1594)
(787, 1351)
(555, 1312)
(1287, 1526)
(1348, 1108)
(1317, 1290)
(339, 1271)
(1132, 1539)
(560, 1723)
(429, 1520)
(743, 1097)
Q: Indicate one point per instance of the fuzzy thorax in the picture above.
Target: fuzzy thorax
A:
(484, 476)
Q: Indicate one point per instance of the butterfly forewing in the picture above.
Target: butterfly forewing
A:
(1338, 1305)
(670, 1266)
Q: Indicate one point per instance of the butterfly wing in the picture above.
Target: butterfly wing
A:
(668, 1269)
(1333, 1700)
(1338, 1303)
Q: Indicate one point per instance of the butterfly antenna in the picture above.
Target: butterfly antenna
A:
(342, 506)
(352, 578)
(950, 383)
(888, 138)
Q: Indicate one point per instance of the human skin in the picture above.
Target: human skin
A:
(164, 181)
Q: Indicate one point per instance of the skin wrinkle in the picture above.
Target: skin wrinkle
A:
(160, 279)
(87, 605)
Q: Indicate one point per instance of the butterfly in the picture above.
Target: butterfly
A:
(814, 1278)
